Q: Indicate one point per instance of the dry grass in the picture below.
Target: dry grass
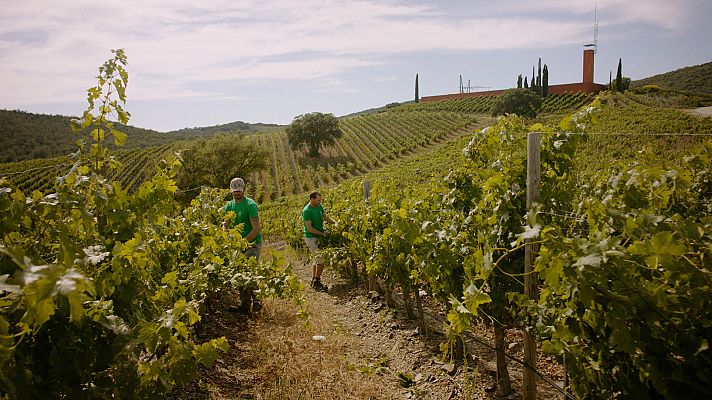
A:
(368, 352)
(296, 366)
(276, 357)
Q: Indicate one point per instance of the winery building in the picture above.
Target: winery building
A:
(585, 86)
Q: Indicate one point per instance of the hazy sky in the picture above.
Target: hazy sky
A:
(204, 62)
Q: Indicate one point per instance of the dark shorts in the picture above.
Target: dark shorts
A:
(254, 251)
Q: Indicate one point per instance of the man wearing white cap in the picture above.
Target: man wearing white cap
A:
(246, 214)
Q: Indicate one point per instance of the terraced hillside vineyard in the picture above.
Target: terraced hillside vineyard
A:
(137, 166)
(628, 125)
(368, 142)
(553, 103)
(624, 262)
(103, 283)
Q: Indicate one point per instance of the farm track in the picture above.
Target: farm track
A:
(368, 351)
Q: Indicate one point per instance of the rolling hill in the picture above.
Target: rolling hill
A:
(39, 145)
(369, 142)
(694, 79)
(26, 136)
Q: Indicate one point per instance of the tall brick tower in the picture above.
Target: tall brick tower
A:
(588, 66)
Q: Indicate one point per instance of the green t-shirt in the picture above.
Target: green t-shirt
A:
(244, 210)
(316, 216)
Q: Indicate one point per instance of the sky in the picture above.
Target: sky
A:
(195, 63)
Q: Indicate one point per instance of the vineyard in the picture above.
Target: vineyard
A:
(553, 103)
(32, 175)
(624, 256)
(627, 127)
(137, 166)
(101, 291)
(369, 142)
(104, 282)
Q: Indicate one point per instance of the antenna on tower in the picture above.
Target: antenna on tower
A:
(595, 30)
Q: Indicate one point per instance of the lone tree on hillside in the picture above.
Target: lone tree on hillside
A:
(215, 161)
(313, 130)
(522, 102)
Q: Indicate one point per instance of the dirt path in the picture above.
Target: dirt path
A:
(353, 348)
(701, 111)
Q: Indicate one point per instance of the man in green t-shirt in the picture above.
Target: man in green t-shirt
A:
(313, 216)
(246, 214)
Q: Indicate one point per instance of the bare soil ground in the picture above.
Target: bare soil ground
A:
(701, 111)
(352, 348)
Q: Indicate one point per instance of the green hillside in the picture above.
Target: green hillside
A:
(237, 126)
(375, 140)
(40, 174)
(695, 79)
(39, 144)
(26, 136)
(620, 228)
(624, 129)
(369, 142)
(605, 223)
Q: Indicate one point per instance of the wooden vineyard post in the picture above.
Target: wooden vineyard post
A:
(531, 289)
(366, 190)
(370, 280)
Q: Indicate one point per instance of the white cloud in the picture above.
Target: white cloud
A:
(667, 14)
(49, 50)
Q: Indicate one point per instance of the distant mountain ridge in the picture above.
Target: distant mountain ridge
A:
(695, 79)
(26, 136)
(229, 127)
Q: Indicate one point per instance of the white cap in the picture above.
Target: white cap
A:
(237, 185)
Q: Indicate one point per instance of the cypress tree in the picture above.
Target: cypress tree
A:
(538, 79)
(519, 81)
(532, 83)
(526, 85)
(619, 77)
(610, 80)
(545, 82)
(417, 97)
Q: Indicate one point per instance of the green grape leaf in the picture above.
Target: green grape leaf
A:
(119, 137)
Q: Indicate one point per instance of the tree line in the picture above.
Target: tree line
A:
(539, 83)
(28, 136)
